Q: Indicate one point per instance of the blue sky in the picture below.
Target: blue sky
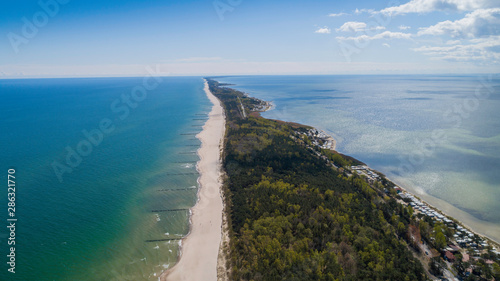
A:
(59, 38)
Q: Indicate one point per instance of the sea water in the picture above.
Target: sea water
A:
(436, 135)
(105, 172)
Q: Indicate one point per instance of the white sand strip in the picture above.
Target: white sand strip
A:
(200, 249)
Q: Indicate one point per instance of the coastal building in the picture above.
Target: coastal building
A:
(449, 256)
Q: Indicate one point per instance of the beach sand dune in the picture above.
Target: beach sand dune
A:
(199, 250)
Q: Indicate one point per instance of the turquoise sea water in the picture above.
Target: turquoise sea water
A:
(438, 136)
(94, 225)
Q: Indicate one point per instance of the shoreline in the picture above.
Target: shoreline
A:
(479, 227)
(199, 253)
(463, 218)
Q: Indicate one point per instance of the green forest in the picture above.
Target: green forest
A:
(292, 216)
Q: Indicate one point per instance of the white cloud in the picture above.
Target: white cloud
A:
(352, 26)
(481, 49)
(324, 30)
(479, 23)
(473, 39)
(479, 32)
(383, 35)
(337, 15)
(356, 26)
(426, 6)
(369, 11)
(390, 35)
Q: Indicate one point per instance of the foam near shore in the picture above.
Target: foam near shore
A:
(200, 248)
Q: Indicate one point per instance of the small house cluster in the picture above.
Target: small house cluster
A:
(423, 208)
(468, 245)
(320, 139)
(367, 172)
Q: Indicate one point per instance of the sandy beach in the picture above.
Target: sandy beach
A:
(200, 248)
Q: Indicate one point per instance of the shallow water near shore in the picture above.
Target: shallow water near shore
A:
(437, 136)
(109, 217)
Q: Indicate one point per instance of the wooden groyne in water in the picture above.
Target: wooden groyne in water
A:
(169, 210)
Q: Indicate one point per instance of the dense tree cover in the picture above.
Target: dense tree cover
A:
(437, 266)
(292, 217)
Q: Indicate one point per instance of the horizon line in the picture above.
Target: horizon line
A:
(228, 75)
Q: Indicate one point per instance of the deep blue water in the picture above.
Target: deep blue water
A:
(93, 225)
(437, 135)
